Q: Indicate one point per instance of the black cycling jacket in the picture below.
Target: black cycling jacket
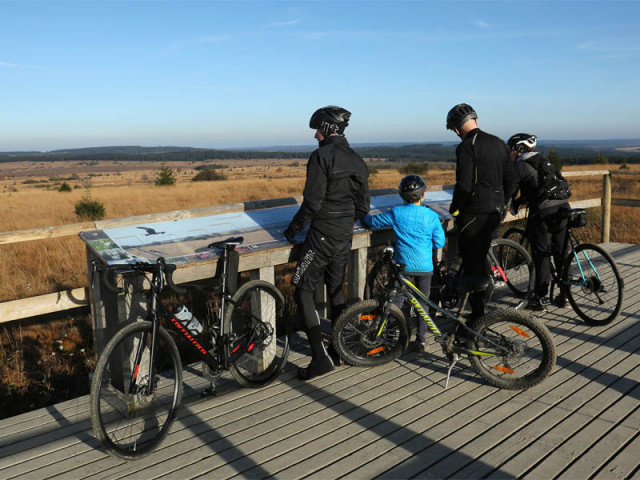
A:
(488, 187)
(336, 192)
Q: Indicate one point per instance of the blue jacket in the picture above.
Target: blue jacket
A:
(417, 230)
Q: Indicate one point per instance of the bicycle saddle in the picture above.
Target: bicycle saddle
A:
(229, 242)
(471, 284)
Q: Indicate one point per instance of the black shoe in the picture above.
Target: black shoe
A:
(537, 304)
(335, 356)
(316, 368)
(418, 347)
(560, 301)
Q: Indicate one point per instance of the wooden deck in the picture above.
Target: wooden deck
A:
(395, 421)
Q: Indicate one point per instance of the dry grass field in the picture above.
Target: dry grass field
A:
(44, 363)
(30, 200)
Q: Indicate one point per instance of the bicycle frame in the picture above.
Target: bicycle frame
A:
(557, 274)
(418, 299)
(220, 359)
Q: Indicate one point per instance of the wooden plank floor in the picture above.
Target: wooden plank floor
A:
(395, 421)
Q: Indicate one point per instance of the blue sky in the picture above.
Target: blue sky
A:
(250, 73)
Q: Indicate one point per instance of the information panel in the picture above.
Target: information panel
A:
(185, 241)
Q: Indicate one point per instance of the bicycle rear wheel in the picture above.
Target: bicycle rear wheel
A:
(593, 284)
(129, 422)
(259, 342)
(518, 235)
(362, 341)
(513, 267)
(513, 350)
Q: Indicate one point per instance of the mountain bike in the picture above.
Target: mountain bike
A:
(510, 269)
(589, 276)
(508, 348)
(137, 384)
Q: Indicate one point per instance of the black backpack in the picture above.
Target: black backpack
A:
(551, 184)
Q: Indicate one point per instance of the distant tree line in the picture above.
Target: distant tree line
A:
(195, 156)
(395, 154)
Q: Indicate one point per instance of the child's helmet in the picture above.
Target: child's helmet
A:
(411, 188)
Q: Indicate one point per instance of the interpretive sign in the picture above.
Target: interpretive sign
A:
(185, 241)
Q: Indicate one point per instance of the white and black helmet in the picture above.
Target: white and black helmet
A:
(411, 188)
(331, 120)
(522, 142)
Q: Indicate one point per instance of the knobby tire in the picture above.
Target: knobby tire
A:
(359, 344)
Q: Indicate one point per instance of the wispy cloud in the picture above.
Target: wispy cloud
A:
(210, 39)
(482, 24)
(609, 51)
(13, 65)
(285, 23)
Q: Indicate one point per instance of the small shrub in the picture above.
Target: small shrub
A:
(624, 166)
(415, 168)
(165, 176)
(208, 175)
(64, 187)
(88, 208)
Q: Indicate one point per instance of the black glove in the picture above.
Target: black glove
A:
(515, 205)
(290, 235)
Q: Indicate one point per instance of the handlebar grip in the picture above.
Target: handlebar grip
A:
(169, 268)
(107, 274)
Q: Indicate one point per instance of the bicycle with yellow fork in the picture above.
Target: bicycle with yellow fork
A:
(508, 348)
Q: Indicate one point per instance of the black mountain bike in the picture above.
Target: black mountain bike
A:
(511, 272)
(508, 348)
(137, 384)
(589, 277)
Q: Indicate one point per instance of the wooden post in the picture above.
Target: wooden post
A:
(263, 309)
(111, 311)
(606, 207)
(357, 273)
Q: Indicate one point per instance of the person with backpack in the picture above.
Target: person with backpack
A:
(417, 230)
(545, 192)
(485, 181)
(336, 194)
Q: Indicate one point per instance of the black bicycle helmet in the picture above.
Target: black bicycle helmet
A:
(459, 114)
(522, 142)
(411, 188)
(331, 120)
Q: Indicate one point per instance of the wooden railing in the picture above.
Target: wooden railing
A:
(262, 264)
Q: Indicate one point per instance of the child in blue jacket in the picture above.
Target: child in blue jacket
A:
(417, 231)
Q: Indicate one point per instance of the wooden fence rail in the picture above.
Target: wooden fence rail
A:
(261, 265)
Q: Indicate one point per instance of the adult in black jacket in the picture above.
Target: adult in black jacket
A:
(547, 219)
(485, 181)
(336, 194)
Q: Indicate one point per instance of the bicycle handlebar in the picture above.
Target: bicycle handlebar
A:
(107, 271)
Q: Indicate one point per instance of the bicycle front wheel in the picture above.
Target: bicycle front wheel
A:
(593, 284)
(361, 339)
(258, 337)
(131, 412)
(511, 350)
(512, 266)
(378, 280)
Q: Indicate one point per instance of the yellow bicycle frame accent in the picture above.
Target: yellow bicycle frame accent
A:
(425, 316)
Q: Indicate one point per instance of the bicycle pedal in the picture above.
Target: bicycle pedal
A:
(210, 391)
